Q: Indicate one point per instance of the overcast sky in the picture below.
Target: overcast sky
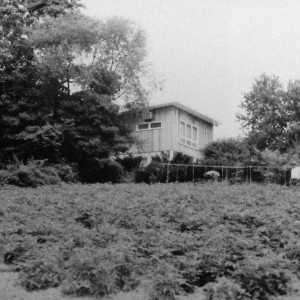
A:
(210, 51)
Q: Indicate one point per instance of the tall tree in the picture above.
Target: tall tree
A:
(75, 71)
(265, 114)
(20, 104)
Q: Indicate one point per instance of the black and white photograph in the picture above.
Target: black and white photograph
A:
(149, 150)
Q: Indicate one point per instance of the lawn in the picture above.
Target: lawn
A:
(171, 241)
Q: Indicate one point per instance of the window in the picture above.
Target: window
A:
(147, 126)
(188, 135)
(155, 125)
(143, 126)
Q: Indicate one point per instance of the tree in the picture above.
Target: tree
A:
(265, 114)
(227, 152)
(120, 51)
(58, 44)
(62, 76)
(92, 128)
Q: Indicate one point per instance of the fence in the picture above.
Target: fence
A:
(234, 174)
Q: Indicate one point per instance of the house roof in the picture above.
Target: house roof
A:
(188, 110)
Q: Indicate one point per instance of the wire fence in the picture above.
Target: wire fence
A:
(233, 174)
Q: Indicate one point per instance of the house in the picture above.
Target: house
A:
(168, 128)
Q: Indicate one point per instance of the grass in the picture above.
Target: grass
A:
(239, 242)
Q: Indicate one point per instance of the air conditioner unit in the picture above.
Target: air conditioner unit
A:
(149, 117)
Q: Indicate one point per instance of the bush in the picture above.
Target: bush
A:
(33, 174)
(150, 174)
(4, 176)
(100, 170)
(227, 152)
(180, 158)
(129, 163)
(67, 173)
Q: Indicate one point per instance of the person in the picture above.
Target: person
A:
(295, 174)
(212, 175)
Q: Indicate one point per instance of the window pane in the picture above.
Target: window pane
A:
(189, 143)
(188, 131)
(155, 125)
(182, 129)
(195, 134)
(143, 126)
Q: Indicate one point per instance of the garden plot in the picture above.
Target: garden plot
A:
(162, 241)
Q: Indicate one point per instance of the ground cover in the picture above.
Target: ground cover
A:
(168, 240)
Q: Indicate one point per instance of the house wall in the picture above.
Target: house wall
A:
(160, 139)
(205, 133)
(166, 138)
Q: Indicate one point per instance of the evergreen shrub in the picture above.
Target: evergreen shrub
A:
(129, 163)
(95, 170)
(34, 174)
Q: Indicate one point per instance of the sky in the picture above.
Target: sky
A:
(210, 51)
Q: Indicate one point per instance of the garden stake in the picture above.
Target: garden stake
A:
(168, 171)
(162, 171)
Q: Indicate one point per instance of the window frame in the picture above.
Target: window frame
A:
(184, 140)
(149, 126)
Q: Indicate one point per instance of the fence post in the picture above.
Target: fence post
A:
(284, 175)
(193, 172)
(250, 179)
(162, 171)
(168, 171)
(177, 173)
(222, 172)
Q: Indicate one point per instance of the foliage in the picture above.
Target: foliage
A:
(227, 152)
(271, 114)
(225, 289)
(41, 275)
(181, 158)
(236, 242)
(92, 276)
(33, 174)
(150, 174)
(100, 170)
(61, 74)
(129, 163)
(67, 173)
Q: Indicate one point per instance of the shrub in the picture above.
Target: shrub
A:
(67, 173)
(227, 152)
(150, 174)
(33, 174)
(129, 163)
(4, 176)
(100, 170)
(181, 158)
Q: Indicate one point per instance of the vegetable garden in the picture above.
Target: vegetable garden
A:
(230, 241)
